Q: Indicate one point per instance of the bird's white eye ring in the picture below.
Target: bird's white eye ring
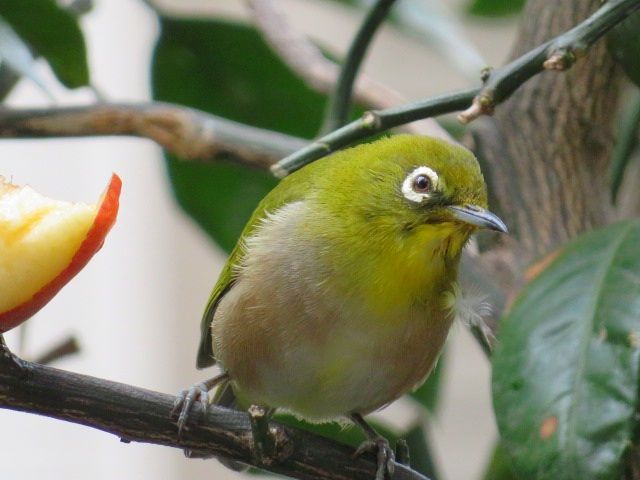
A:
(419, 184)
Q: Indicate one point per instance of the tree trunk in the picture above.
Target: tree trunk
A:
(547, 149)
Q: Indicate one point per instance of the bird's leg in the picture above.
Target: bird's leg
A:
(196, 393)
(11, 361)
(375, 442)
(264, 442)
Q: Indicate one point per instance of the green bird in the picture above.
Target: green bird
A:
(336, 299)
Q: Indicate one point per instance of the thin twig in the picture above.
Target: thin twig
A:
(370, 123)
(67, 347)
(340, 101)
(500, 84)
(557, 54)
(321, 74)
(189, 133)
(138, 415)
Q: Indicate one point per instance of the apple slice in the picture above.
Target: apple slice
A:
(44, 244)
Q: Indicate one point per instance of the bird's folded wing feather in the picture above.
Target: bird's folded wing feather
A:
(293, 188)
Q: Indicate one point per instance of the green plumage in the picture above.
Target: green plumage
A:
(371, 174)
(341, 290)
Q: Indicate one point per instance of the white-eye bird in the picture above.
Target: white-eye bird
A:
(334, 301)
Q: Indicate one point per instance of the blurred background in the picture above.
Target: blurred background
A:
(135, 309)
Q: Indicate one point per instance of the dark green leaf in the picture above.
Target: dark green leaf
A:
(626, 142)
(16, 55)
(420, 451)
(427, 395)
(53, 33)
(565, 371)
(500, 466)
(624, 45)
(495, 8)
(226, 69)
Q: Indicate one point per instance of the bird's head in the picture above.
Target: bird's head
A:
(437, 184)
(413, 186)
(395, 213)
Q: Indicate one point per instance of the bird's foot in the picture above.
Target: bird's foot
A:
(186, 399)
(377, 443)
(385, 455)
(184, 403)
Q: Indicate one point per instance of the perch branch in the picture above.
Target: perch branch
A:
(559, 54)
(340, 100)
(499, 85)
(189, 133)
(320, 73)
(138, 415)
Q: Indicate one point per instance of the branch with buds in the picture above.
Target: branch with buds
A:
(556, 54)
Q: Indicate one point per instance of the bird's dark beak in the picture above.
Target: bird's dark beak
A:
(478, 217)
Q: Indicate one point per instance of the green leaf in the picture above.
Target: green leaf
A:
(17, 56)
(495, 8)
(500, 466)
(53, 33)
(626, 142)
(624, 45)
(428, 393)
(227, 69)
(422, 459)
(565, 371)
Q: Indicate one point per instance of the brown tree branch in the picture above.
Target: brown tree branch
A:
(138, 415)
(186, 132)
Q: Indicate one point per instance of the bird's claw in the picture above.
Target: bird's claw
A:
(385, 456)
(184, 403)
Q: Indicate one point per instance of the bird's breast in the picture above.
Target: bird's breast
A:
(304, 331)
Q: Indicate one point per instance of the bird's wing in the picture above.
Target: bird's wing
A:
(290, 189)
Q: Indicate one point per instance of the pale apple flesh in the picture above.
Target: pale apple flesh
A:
(44, 243)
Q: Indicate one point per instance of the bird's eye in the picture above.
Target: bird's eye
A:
(420, 184)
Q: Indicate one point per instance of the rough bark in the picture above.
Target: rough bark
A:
(139, 415)
(546, 150)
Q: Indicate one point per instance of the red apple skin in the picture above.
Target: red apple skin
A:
(102, 223)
